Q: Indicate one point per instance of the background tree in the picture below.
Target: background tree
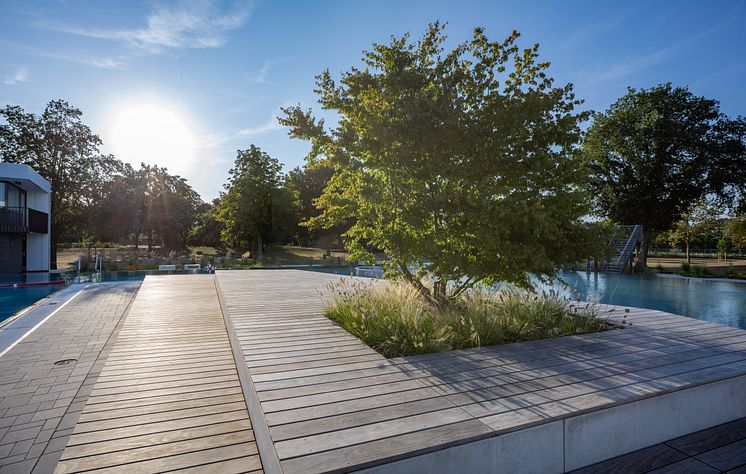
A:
(118, 215)
(656, 152)
(254, 209)
(170, 208)
(61, 148)
(461, 162)
(308, 183)
(206, 232)
(147, 201)
(701, 224)
(736, 231)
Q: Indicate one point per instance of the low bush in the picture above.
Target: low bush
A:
(396, 320)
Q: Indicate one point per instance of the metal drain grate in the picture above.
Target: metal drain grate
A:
(65, 361)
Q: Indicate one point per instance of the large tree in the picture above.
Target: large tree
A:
(460, 162)
(170, 207)
(256, 208)
(656, 152)
(60, 147)
(147, 201)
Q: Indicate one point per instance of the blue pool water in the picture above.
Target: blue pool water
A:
(13, 300)
(715, 301)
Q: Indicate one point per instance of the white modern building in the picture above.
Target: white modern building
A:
(25, 220)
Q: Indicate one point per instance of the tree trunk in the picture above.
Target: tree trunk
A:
(642, 260)
(688, 253)
(259, 254)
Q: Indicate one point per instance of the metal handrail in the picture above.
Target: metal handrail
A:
(629, 245)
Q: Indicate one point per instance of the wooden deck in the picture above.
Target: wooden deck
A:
(242, 372)
(168, 397)
(332, 404)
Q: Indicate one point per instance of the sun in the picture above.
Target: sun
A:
(152, 134)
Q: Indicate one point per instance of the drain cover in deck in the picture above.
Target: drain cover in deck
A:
(65, 361)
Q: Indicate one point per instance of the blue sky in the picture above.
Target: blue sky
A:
(225, 68)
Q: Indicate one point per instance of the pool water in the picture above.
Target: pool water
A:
(719, 302)
(13, 300)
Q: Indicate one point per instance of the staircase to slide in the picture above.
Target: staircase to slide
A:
(623, 243)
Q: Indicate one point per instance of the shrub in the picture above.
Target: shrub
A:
(395, 319)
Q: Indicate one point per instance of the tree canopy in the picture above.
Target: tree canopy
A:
(256, 209)
(60, 147)
(656, 152)
(459, 162)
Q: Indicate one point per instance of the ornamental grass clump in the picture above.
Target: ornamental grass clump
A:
(392, 319)
(396, 320)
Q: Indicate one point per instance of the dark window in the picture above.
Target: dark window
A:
(38, 221)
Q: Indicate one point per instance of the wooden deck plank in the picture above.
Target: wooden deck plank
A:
(169, 397)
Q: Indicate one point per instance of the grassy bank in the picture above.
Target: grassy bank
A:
(396, 320)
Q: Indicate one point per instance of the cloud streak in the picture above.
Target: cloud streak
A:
(186, 24)
(636, 63)
(20, 75)
(105, 62)
(261, 76)
(271, 125)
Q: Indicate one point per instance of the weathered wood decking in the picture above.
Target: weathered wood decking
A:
(332, 404)
(171, 397)
(168, 397)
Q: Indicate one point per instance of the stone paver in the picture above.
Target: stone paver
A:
(40, 402)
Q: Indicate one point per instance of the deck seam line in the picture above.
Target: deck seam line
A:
(262, 437)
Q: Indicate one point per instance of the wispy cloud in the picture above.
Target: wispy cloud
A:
(19, 75)
(186, 24)
(584, 33)
(106, 62)
(269, 126)
(261, 76)
(633, 64)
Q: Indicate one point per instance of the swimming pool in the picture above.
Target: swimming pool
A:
(13, 300)
(715, 301)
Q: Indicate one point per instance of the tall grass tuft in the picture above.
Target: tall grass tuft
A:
(396, 320)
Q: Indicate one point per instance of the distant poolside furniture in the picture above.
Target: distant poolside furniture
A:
(165, 268)
(192, 266)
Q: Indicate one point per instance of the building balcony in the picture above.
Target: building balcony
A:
(22, 220)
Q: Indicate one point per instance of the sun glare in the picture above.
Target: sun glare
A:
(152, 134)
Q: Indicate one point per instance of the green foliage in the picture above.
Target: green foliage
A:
(257, 208)
(147, 201)
(206, 232)
(396, 319)
(60, 147)
(307, 184)
(460, 162)
(656, 152)
(701, 224)
(736, 231)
